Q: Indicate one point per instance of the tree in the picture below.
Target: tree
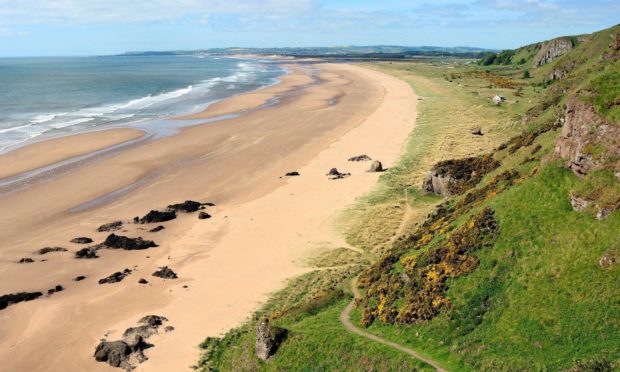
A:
(526, 74)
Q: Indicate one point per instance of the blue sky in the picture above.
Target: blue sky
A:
(90, 27)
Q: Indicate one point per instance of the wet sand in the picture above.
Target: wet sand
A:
(262, 226)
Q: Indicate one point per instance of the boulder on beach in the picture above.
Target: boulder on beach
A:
(127, 352)
(157, 229)
(143, 281)
(203, 215)
(376, 166)
(25, 260)
(122, 242)
(47, 250)
(57, 288)
(165, 273)
(116, 277)
(292, 174)
(14, 298)
(187, 206)
(116, 225)
(360, 158)
(87, 253)
(79, 278)
(81, 240)
(333, 174)
(268, 339)
(476, 131)
(158, 216)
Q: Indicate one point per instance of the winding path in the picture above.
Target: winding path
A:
(346, 322)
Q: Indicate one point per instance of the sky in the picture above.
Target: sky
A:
(100, 27)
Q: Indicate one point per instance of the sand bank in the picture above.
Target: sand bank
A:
(262, 224)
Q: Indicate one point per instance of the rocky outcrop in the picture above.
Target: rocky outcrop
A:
(158, 216)
(268, 339)
(587, 142)
(129, 244)
(607, 260)
(81, 240)
(112, 226)
(376, 166)
(157, 229)
(127, 352)
(116, 277)
(552, 49)
(47, 250)
(165, 273)
(579, 204)
(333, 174)
(14, 298)
(613, 52)
(360, 158)
(452, 177)
(87, 253)
(187, 206)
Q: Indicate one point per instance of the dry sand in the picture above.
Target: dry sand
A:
(262, 224)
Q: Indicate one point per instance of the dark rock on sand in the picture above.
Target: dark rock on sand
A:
(158, 216)
(165, 273)
(157, 229)
(128, 352)
(292, 174)
(360, 158)
(25, 260)
(333, 174)
(81, 240)
(58, 288)
(476, 131)
(47, 250)
(209, 204)
(87, 253)
(14, 298)
(122, 242)
(376, 166)
(116, 225)
(143, 281)
(203, 215)
(268, 339)
(187, 206)
(116, 277)
(79, 278)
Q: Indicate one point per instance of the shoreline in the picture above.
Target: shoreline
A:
(255, 230)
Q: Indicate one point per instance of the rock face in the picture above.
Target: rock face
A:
(122, 242)
(116, 277)
(165, 273)
(552, 49)
(187, 206)
(116, 225)
(452, 177)
(14, 298)
(376, 166)
(81, 240)
(47, 250)
(127, 353)
(268, 339)
(158, 216)
(587, 141)
(360, 158)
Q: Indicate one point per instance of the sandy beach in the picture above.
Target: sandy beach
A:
(262, 226)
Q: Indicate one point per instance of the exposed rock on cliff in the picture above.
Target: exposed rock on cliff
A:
(552, 49)
(455, 176)
(268, 339)
(587, 142)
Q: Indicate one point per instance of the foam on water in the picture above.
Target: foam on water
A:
(235, 77)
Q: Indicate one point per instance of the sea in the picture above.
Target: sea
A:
(48, 97)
